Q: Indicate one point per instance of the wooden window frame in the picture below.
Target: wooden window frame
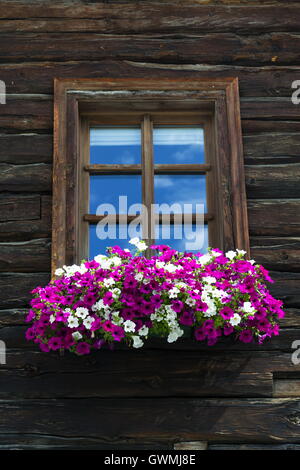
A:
(82, 103)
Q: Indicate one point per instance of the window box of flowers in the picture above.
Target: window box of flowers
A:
(124, 297)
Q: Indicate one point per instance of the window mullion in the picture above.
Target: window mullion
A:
(147, 179)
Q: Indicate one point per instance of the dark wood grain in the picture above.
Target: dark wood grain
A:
(210, 48)
(28, 256)
(279, 217)
(275, 419)
(25, 148)
(23, 226)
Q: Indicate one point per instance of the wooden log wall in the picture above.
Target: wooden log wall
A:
(230, 396)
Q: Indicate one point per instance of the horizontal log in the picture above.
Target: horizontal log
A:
(27, 229)
(19, 207)
(189, 419)
(274, 217)
(28, 441)
(269, 108)
(286, 287)
(272, 148)
(151, 18)
(32, 374)
(212, 48)
(253, 81)
(292, 318)
(28, 256)
(271, 126)
(15, 288)
(273, 181)
(25, 148)
(286, 388)
(287, 446)
(12, 317)
(280, 254)
(34, 177)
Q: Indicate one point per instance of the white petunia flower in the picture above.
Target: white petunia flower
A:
(215, 253)
(129, 326)
(173, 292)
(247, 308)
(230, 254)
(204, 259)
(109, 282)
(209, 279)
(73, 322)
(241, 252)
(139, 276)
(137, 342)
(235, 320)
(160, 264)
(88, 321)
(81, 312)
(141, 246)
(52, 318)
(77, 335)
(190, 302)
(59, 272)
(143, 331)
(134, 241)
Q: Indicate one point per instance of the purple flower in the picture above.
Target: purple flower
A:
(226, 313)
(55, 343)
(83, 348)
(246, 336)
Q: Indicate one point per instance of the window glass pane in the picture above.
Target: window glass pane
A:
(188, 237)
(178, 145)
(106, 189)
(121, 145)
(180, 190)
(115, 236)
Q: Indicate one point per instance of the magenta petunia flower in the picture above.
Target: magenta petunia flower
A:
(83, 348)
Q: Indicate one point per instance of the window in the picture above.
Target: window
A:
(160, 145)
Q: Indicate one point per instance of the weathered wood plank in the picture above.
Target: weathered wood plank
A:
(273, 181)
(32, 374)
(280, 254)
(292, 318)
(28, 256)
(12, 317)
(274, 217)
(272, 148)
(19, 207)
(271, 126)
(125, 374)
(15, 288)
(33, 178)
(153, 17)
(21, 230)
(15, 441)
(212, 48)
(286, 388)
(286, 287)
(269, 108)
(25, 148)
(190, 419)
(287, 446)
(38, 77)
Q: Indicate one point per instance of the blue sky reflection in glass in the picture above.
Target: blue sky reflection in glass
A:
(119, 145)
(178, 145)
